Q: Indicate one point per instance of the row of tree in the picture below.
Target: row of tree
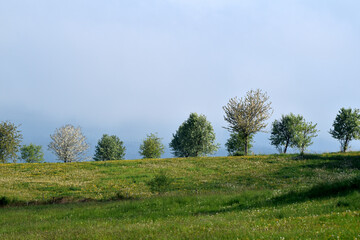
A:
(69, 145)
(194, 137)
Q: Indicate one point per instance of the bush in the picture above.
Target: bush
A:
(4, 201)
(160, 183)
(235, 145)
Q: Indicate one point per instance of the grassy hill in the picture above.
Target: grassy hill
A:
(256, 197)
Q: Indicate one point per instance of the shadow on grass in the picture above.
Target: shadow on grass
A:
(331, 161)
(14, 202)
(320, 191)
(317, 192)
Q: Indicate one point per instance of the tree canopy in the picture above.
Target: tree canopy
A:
(303, 138)
(69, 144)
(292, 131)
(346, 127)
(32, 153)
(109, 148)
(152, 147)
(283, 131)
(248, 115)
(195, 137)
(10, 139)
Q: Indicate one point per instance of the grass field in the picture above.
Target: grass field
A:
(256, 197)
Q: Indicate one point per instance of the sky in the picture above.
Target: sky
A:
(131, 68)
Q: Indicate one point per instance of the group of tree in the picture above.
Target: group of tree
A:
(194, 137)
(69, 145)
(10, 145)
(292, 131)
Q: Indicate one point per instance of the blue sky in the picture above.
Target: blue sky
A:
(131, 68)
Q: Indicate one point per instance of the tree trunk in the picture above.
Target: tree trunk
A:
(302, 150)
(246, 145)
(346, 145)
(286, 146)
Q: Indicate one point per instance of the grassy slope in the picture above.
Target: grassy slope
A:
(246, 197)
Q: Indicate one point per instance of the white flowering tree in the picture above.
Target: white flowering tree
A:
(69, 144)
(246, 116)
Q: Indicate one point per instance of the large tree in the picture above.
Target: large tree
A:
(247, 115)
(69, 144)
(152, 147)
(195, 137)
(10, 139)
(109, 148)
(284, 131)
(346, 127)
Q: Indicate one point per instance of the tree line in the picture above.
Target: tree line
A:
(194, 137)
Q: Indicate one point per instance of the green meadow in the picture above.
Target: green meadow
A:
(253, 197)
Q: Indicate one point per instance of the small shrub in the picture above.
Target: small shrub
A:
(122, 196)
(342, 203)
(160, 183)
(238, 153)
(4, 201)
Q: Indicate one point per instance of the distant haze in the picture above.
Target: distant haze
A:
(131, 68)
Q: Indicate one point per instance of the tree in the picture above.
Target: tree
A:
(292, 131)
(247, 116)
(10, 139)
(195, 137)
(69, 144)
(235, 145)
(152, 147)
(284, 131)
(32, 153)
(346, 127)
(305, 132)
(109, 148)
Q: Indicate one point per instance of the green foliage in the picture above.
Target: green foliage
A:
(195, 137)
(235, 145)
(152, 147)
(109, 148)
(284, 130)
(292, 131)
(346, 127)
(303, 138)
(32, 153)
(160, 183)
(10, 139)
